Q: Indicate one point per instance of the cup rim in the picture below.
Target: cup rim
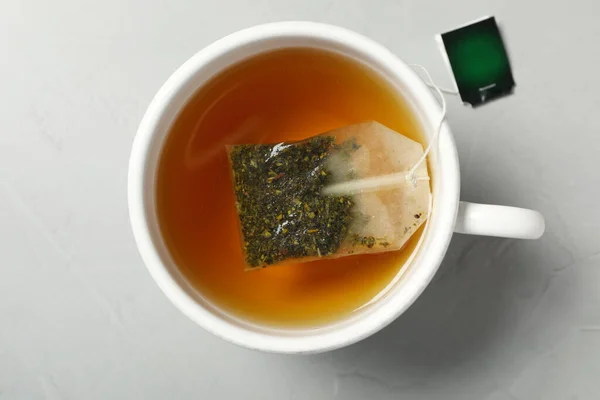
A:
(436, 240)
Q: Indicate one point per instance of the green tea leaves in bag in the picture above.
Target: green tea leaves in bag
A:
(285, 211)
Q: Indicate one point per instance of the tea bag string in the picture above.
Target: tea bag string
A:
(434, 141)
(393, 180)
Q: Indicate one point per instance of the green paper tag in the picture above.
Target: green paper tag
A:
(478, 61)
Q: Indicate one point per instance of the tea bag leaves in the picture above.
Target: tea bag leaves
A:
(339, 193)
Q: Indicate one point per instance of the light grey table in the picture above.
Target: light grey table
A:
(80, 318)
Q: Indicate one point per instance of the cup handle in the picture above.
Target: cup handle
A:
(500, 221)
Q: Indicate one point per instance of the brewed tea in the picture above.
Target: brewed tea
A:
(286, 95)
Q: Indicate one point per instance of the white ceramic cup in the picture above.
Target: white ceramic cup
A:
(448, 215)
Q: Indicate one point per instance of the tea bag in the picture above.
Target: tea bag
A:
(354, 190)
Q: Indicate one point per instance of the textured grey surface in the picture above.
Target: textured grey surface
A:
(80, 318)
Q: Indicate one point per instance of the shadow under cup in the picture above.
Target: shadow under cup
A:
(172, 98)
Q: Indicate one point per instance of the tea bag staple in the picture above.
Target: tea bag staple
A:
(358, 189)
